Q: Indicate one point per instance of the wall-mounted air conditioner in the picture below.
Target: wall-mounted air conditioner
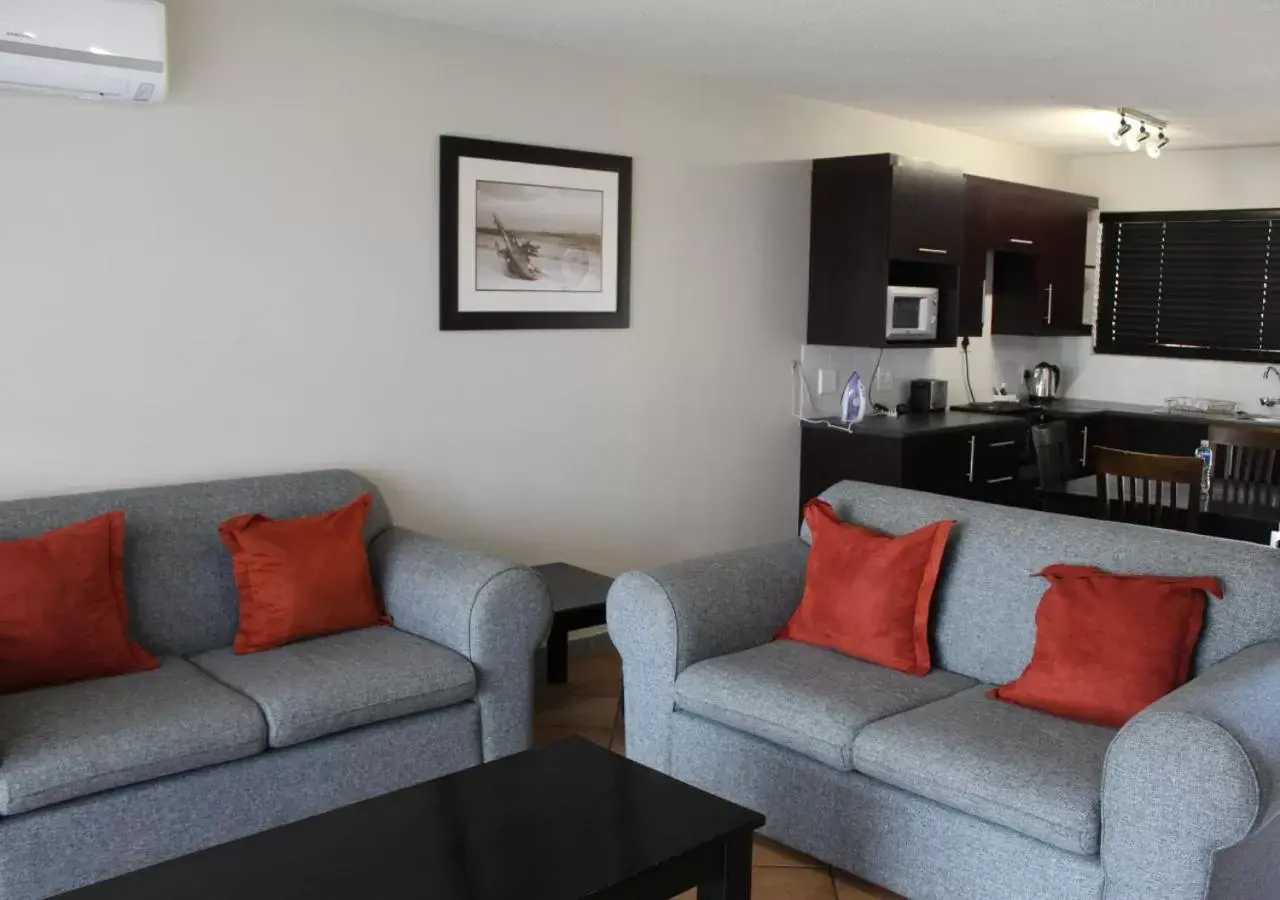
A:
(97, 49)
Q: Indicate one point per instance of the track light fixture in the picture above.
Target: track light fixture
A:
(1149, 133)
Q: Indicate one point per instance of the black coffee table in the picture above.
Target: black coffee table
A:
(565, 822)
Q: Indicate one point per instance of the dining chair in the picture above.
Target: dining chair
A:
(1245, 465)
(1054, 463)
(1134, 474)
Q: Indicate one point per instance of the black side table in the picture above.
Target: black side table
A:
(577, 601)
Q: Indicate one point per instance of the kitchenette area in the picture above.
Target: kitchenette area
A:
(928, 262)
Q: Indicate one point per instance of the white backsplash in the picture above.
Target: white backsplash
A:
(992, 362)
(1085, 374)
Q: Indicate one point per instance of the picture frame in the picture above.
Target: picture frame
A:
(533, 237)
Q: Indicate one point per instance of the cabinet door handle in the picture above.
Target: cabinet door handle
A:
(931, 250)
(1003, 444)
(1049, 315)
(1023, 241)
(973, 455)
(1084, 447)
(999, 480)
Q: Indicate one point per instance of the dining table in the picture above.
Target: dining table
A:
(1238, 510)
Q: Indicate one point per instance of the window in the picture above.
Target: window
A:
(1190, 284)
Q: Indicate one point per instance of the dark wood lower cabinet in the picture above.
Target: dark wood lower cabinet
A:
(994, 462)
(982, 463)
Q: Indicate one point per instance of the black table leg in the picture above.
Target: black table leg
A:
(733, 881)
(558, 654)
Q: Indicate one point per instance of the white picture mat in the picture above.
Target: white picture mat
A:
(471, 170)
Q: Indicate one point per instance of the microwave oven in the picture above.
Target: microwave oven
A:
(912, 314)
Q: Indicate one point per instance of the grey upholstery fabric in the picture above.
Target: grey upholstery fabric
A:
(668, 618)
(66, 846)
(178, 578)
(318, 687)
(1034, 773)
(183, 602)
(492, 612)
(812, 700)
(1193, 773)
(69, 741)
(984, 613)
(1177, 784)
(918, 848)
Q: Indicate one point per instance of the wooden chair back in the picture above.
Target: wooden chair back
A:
(1245, 454)
(1245, 465)
(1054, 463)
(1146, 488)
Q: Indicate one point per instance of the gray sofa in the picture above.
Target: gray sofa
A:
(103, 777)
(926, 786)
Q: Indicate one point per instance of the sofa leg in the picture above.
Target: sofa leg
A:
(733, 881)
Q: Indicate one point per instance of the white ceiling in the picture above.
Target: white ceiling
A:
(1044, 73)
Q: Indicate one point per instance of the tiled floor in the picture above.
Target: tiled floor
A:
(588, 707)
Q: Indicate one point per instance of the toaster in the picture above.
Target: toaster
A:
(926, 395)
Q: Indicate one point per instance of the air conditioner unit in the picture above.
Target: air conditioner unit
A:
(96, 49)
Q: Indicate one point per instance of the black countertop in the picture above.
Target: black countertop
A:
(914, 423)
(1071, 408)
(970, 416)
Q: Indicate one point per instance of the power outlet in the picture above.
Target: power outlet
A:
(826, 381)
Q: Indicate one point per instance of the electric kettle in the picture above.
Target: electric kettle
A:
(1043, 381)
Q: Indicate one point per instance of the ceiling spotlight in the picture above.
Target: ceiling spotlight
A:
(1117, 136)
(1148, 135)
(1155, 147)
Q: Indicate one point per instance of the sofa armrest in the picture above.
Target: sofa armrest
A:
(666, 619)
(1194, 773)
(493, 612)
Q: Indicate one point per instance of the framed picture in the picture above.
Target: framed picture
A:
(533, 237)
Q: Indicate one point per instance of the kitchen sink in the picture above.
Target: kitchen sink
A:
(1261, 419)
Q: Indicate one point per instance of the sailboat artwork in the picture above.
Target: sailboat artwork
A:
(532, 237)
(538, 238)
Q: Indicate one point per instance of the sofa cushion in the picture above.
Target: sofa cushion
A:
(64, 616)
(178, 579)
(1108, 646)
(301, 578)
(318, 687)
(811, 700)
(868, 594)
(62, 742)
(1029, 771)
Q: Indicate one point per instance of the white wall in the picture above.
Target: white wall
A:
(244, 280)
(1179, 180)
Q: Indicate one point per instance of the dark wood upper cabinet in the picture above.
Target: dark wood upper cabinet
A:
(1036, 239)
(926, 215)
(875, 221)
(973, 267)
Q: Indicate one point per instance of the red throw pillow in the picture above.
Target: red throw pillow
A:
(867, 594)
(301, 578)
(63, 616)
(1108, 646)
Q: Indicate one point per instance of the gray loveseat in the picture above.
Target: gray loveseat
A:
(927, 786)
(103, 777)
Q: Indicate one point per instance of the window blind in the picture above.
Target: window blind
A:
(1190, 284)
